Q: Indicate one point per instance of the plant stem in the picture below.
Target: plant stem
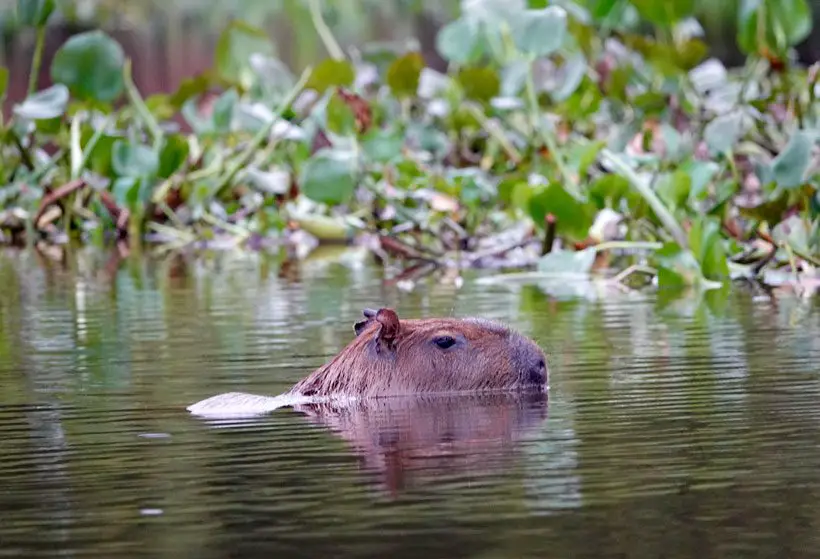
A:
(496, 132)
(36, 60)
(139, 105)
(76, 150)
(634, 269)
(89, 147)
(535, 117)
(263, 133)
(649, 195)
(324, 31)
(625, 245)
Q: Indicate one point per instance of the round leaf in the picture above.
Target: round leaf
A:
(722, 133)
(789, 167)
(567, 262)
(90, 64)
(43, 105)
(459, 41)
(133, 160)
(340, 117)
(573, 217)
(331, 73)
(793, 231)
(236, 44)
(383, 145)
(328, 177)
(403, 74)
(479, 83)
(540, 32)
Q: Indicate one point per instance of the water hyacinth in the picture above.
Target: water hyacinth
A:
(559, 139)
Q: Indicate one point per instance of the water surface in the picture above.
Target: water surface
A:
(673, 428)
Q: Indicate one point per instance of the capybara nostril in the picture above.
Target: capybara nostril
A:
(530, 361)
(538, 374)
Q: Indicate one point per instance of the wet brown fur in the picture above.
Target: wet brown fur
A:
(393, 357)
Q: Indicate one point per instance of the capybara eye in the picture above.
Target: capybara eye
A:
(445, 342)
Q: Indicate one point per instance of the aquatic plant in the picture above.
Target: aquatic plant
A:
(563, 137)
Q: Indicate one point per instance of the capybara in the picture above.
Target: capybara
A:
(391, 357)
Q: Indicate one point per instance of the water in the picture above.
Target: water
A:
(674, 428)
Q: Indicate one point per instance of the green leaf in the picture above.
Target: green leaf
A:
(4, 81)
(460, 41)
(189, 88)
(573, 217)
(574, 69)
(582, 155)
(665, 13)
(173, 155)
(132, 193)
(340, 117)
(722, 133)
(329, 177)
(677, 268)
(789, 167)
(133, 160)
(673, 189)
(237, 42)
(608, 190)
(383, 145)
(700, 174)
(403, 74)
(34, 12)
(793, 232)
(567, 262)
(785, 24)
(706, 244)
(90, 64)
(602, 9)
(223, 111)
(479, 83)
(540, 32)
(124, 190)
(331, 73)
(274, 77)
(323, 227)
(43, 105)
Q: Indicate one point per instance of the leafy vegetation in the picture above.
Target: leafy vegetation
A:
(565, 137)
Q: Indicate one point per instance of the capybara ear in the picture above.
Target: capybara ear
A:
(369, 314)
(390, 324)
(390, 327)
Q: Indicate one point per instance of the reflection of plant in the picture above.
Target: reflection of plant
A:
(559, 120)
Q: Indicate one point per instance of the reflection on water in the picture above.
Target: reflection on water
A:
(410, 438)
(675, 427)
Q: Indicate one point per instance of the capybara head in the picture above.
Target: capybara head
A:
(443, 355)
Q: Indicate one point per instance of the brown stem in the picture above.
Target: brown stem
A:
(56, 195)
(118, 214)
(401, 249)
(549, 233)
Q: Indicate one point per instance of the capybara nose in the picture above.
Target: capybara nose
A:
(532, 364)
(537, 374)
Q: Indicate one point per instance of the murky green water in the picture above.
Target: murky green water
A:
(673, 429)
